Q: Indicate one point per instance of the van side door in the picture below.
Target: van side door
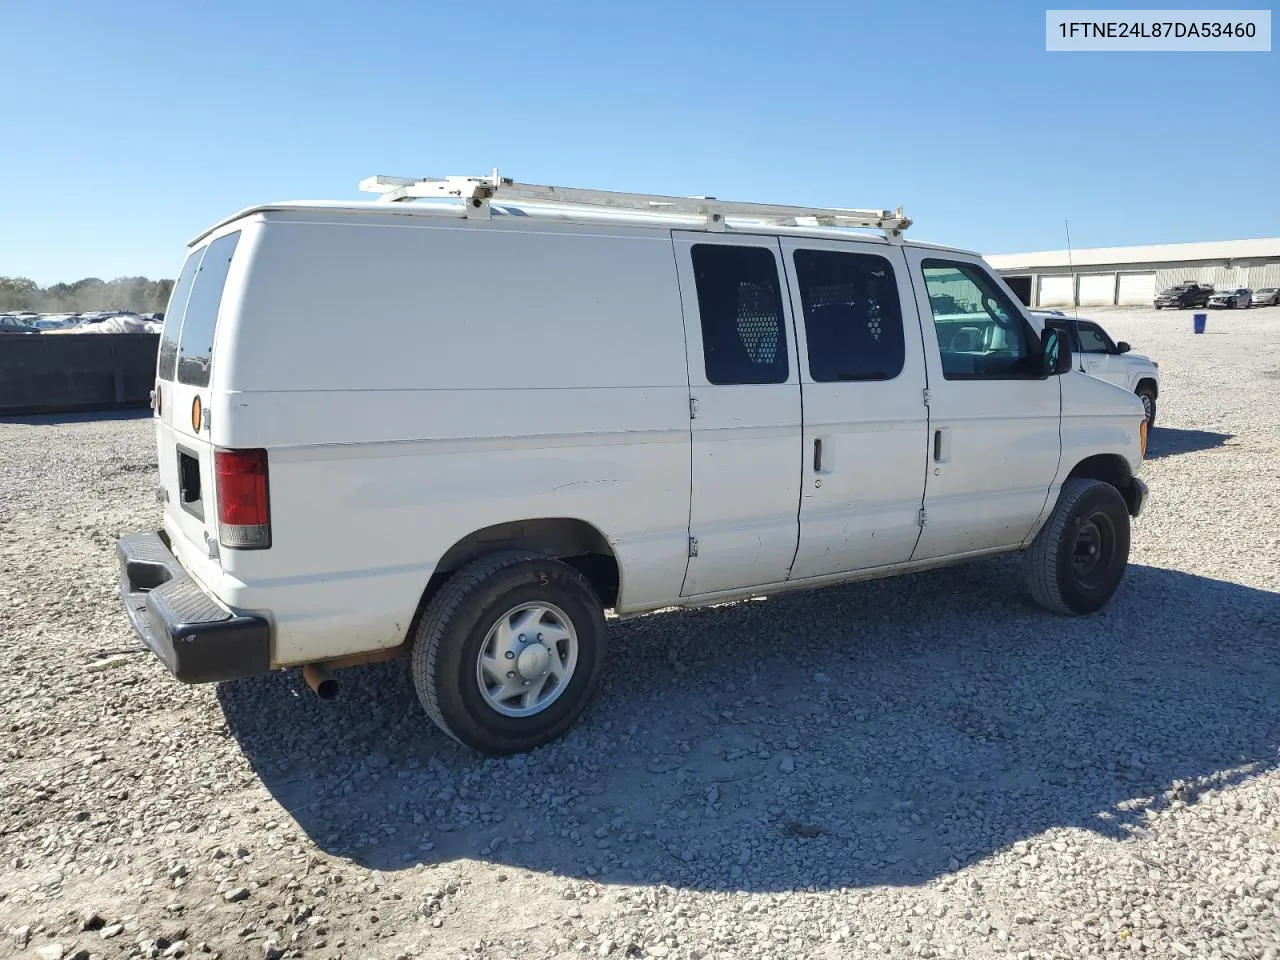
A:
(994, 417)
(744, 411)
(866, 425)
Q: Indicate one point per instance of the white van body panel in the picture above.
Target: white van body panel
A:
(998, 449)
(865, 442)
(1098, 419)
(432, 403)
(746, 451)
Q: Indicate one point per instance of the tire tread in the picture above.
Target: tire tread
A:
(435, 624)
(1041, 562)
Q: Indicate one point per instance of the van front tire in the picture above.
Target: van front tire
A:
(509, 652)
(1078, 558)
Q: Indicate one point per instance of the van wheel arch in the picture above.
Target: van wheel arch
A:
(568, 539)
(1110, 468)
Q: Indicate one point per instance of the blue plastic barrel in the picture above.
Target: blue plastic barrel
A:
(1199, 321)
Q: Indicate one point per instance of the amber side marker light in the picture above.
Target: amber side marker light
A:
(1142, 437)
(196, 414)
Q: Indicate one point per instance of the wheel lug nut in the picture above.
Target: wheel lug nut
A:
(539, 637)
(510, 655)
(526, 683)
(511, 675)
(523, 638)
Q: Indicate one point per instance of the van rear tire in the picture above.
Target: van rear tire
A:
(509, 652)
(1079, 557)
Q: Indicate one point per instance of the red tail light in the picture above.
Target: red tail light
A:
(244, 509)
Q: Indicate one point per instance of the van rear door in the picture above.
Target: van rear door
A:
(183, 372)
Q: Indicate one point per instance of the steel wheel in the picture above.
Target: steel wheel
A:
(1093, 551)
(1078, 558)
(527, 659)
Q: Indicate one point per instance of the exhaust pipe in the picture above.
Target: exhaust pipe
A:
(322, 683)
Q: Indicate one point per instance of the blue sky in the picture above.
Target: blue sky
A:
(128, 127)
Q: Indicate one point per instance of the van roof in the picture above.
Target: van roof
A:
(433, 209)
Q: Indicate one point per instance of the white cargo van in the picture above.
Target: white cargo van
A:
(461, 421)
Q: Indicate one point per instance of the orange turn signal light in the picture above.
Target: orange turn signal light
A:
(197, 415)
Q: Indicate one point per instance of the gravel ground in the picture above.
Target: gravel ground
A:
(920, 767)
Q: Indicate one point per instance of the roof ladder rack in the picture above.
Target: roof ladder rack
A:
(477, 192)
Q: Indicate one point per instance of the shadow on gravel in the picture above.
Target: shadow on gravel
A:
(77, 416)
(1168, 442)
(876, 733)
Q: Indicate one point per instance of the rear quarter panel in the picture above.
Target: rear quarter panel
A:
(416, 383)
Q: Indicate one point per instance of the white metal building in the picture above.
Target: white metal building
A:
(1134, 275)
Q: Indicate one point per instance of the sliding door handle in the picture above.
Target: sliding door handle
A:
(941, 444)
(817, 455)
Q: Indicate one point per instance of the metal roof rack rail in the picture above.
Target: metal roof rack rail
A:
(477, 192)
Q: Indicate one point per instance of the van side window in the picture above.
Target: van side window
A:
(195, 345)
(852, 316)
(168, 359)
(981, 335)
(740, 306)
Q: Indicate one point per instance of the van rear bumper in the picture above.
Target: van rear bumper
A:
(197, 638)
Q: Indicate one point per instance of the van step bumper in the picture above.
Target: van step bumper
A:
(195, 637)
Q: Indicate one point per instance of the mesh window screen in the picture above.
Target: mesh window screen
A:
(852, 316)
(740, 309)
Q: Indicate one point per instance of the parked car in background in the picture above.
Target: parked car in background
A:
(57, 322)
(1267, 297)
(9, 324)
(1096, 354)
(1231, 298)
(1188, 294)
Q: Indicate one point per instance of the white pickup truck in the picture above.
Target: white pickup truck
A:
(1096, 354)
(559, 401)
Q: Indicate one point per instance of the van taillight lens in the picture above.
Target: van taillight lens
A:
(244, 511)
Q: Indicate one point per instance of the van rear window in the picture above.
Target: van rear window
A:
(199, 320)
(168, 361)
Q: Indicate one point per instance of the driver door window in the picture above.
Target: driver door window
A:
(981, 335)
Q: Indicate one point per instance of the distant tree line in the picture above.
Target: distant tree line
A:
(136, 294)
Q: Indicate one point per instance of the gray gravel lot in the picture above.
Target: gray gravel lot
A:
(920, 767)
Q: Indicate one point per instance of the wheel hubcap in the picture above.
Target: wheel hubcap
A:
(1093, 551)
(527, 659)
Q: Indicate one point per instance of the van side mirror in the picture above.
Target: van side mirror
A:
(1123, 347)
(1056, 352)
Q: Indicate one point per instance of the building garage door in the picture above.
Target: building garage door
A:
(1097, 289)
(1137, 288)
(1056, 292)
